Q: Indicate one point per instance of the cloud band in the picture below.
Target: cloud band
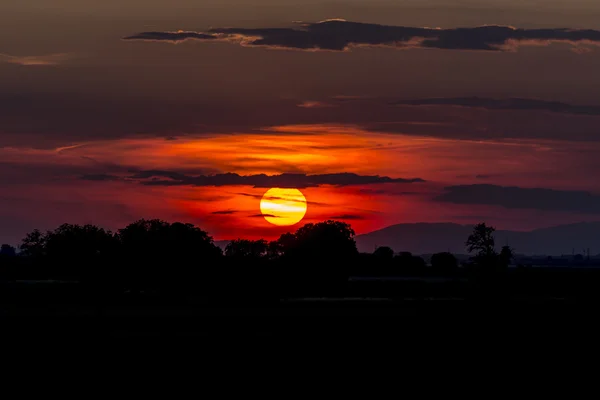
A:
(341, 35)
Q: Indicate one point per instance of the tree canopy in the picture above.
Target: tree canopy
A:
(324, 240)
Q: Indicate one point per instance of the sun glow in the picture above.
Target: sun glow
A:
(283, 207)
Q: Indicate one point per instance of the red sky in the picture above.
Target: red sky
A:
(85, 115)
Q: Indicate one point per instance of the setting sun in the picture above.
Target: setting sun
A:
(283, 207)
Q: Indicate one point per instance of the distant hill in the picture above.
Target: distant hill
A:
(425, 238)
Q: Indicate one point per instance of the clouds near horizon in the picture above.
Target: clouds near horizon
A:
(341, 35)
(523, 198)
(286, 180)
(514, 103)
(40, 60)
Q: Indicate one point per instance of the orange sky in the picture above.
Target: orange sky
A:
(232, 211)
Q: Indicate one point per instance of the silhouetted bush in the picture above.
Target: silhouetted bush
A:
(384, 253)
(7, 251)
(444, 263)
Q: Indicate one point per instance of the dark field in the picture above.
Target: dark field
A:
(373, 310)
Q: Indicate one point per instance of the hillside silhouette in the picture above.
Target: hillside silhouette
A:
(428, 238)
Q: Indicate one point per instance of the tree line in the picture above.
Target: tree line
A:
(168, 250)
(177, 260)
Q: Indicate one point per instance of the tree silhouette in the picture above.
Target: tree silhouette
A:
(384, 253)
(75, 243)
(506, 255)
(242, 248)
(482, 241)
(70, 251)
(285, 244)
(33, 245)
(324, 240)
(7, 251)
(444, 262)
(69, 243)
(157, 238)
(158, 254)
(406, 262)
(489, 267)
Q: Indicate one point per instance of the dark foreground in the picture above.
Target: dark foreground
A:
(559, 310)
(355, 321)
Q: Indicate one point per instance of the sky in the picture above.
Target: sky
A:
(380, 112)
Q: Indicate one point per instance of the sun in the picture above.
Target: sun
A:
(283, 207)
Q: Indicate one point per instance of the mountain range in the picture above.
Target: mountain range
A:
(427, 238)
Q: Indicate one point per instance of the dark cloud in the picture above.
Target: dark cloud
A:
(386, 192)
(224, 212)
(340, 35)
(347, 217)
(178, 36)
(174, 176)
(43, 120)
(42, 171)
(506, 104)
(100, 177)
(263, 216)
(260, 196)
(263, 180)
(523, 198)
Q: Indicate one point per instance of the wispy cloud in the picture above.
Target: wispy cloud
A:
(174, 37)
(172, 178)
(505, 104)
(224, 212)
(264, 215)
(315, 104)
(43, 60)
(341, 35)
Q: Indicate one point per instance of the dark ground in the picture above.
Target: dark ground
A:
(316, 319)
(414, 317)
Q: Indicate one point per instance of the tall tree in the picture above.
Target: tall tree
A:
(481, 241)
(507, 254)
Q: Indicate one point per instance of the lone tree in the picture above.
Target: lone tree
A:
(482, 241)
(507, 254)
